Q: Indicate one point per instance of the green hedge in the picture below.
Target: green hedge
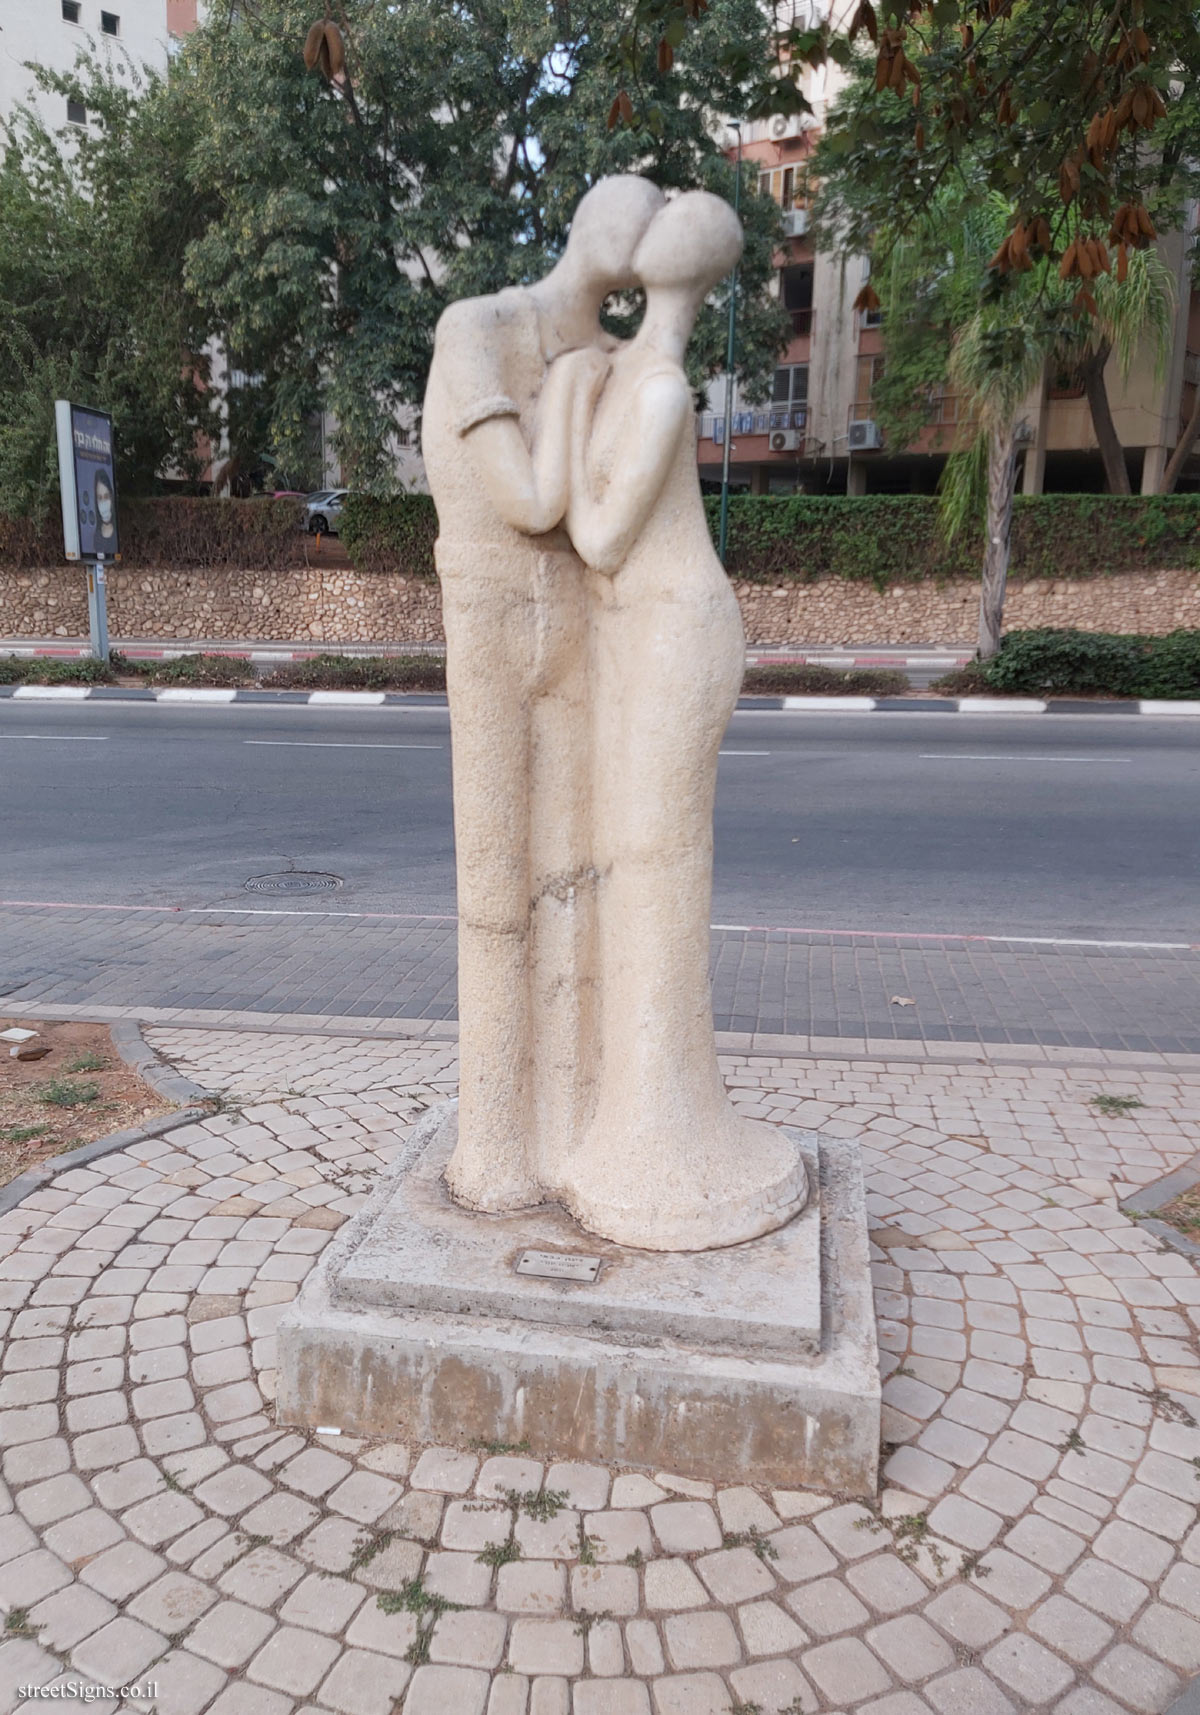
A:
(176, 533)
(1049, 661)
(879, 539)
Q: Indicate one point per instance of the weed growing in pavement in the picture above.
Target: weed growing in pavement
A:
(425, 1605)
(373, 1542)
(635, 1558)
(172, 1482)
(585, 1619)
(253, 1540)
(1115, 1106)
(539, 1504)
(16, 1623)
(22, 1133)
(970, 1567)
(752, 1538)
(89, 1062)
(587, 1547)
(1074, 1443)
(910, 1533)
(65, 1093)
(1167, 1407)
(500, 1553)
(737, 1707)
(498, 1447)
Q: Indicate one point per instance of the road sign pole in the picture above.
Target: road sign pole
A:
(98, 609)
(730, 349)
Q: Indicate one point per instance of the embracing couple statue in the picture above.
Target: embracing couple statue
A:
(594, 652)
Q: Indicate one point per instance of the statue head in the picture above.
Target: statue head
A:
(609, 225)
(691, 243)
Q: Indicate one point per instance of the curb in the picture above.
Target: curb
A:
(138, 1055)
(34, 1178)
(1156, 1196)
(746, 705)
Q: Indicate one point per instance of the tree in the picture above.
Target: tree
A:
(94, 224)
(445, 159)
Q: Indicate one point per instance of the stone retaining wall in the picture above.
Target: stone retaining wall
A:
(336, 604)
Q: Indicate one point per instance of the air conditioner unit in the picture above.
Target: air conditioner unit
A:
(795, 222)
(785, 125)
(786, 440)
(865, 437)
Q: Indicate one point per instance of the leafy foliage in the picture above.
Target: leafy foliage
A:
(176, 532)
(94, 224)
(1050, 662)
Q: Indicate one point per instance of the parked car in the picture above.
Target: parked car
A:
(322, 511)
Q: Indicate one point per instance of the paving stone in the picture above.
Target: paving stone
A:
(172, 1603)
(849, 1530)
(1026, 1667)
(1136, 1551)
(1171, 1636)
(631, 1489)
(185, 1684)
(684, 1527)
(474, 1639)
(800, 1554)
(60, 1621)
(161, 1518)
(610, 1697)
(965, 1522)
(531, 1587)
(1108, 1590)
(617, 1533)
(58, 1497)
(910, 1647)
(767, 1630)
(886, 1584)
(1137, 1679)
(294, 1661)
(499, 1475)
(509, 1695)
(1014, 1581)
(743, 1509)
(364, 1684)
(549, 1696)
(119, 1571)
(315, 1471)
(392, 1635)
(672, 1584)
(118, 1652)
(1073, 1631)
(774, 1685)
(556, 1538)
(365, 1496)
(605, 1651)
(845, 1671)
(604, 1590)
(280, 1517)
(444, 1469)
(826, 1607)
(545, 1646)
(735, 1575)
(322, 1604)
(230, 1633)
(967, 1691)
(262, 1577)
(690, 1694)
(459, 1578)
(232, 1490)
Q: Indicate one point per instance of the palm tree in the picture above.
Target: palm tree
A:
(995, 363)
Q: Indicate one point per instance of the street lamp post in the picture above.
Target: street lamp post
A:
(735, 125)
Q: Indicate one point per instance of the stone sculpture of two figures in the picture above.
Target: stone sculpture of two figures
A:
(594, 656)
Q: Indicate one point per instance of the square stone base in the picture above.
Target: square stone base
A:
(753, 1364)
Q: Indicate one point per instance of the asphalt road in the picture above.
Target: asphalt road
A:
(1040, 826)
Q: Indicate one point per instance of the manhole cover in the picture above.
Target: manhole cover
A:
(293, 881)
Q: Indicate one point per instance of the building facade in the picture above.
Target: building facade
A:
(818, 432)
(123, 35)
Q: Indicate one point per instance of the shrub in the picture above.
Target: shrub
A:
(361, 673)
(1051, 662)
(390, 535)
(795, 680)
(46, 670)
(176, 533)
(189, 670)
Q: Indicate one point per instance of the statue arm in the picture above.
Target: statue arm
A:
(604, 531)
(528, 490)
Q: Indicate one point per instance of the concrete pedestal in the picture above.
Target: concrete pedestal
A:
(756, 1363)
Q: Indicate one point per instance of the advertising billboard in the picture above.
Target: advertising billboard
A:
(87, 482)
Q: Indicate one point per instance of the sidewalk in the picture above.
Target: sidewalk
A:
(933, 658)
(1034, 1545)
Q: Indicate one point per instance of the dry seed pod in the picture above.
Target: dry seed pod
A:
(666, 55)
(867, 299)
(614, 113)
(1042, 236)
(626, 107)
(1000, 260)
(864, 19)
(1018, 245)
(313, 43)
(1067, 266)
(883, 70)
(919, 136)
(335, 48)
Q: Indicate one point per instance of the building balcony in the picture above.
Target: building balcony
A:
(770, 421)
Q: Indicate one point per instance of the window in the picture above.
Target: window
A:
(780, 184)
(796, 288)
(866, 379)
(791, 385)
(110, 24)
(870, 318)
(76, 112)
(70, 11)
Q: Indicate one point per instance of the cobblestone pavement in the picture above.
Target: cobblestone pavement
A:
(1035, 1545)
(1135, 999)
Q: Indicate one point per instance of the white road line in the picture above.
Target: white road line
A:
(1015, 757)
(344, 699)
(745, 753)
(341, 744)
(949, 935)
(190, 695)
(57, 737)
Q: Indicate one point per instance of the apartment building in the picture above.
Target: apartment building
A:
(818, 432)
(122, 34)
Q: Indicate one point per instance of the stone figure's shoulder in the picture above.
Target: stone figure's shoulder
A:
(475, 319)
